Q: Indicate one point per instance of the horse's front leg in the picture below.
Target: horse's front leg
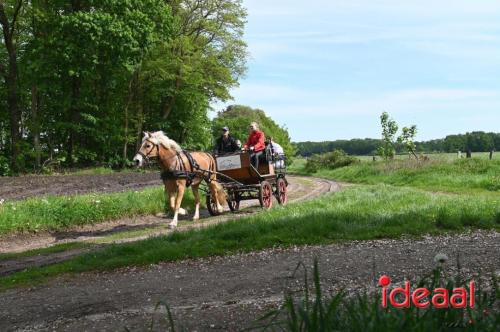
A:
(178, 200)
(196, 195)
(170, 189)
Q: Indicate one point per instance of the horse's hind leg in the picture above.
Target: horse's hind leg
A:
(196, 195)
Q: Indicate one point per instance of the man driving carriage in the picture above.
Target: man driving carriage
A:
(226, 143)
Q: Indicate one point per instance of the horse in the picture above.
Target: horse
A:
(181, 169)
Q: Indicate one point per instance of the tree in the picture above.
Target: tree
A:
(389, 129)
(89, 75)
(9, 19)
(238, 118)
(407, 138)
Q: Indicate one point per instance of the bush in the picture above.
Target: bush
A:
(330, 160)
(4, 166)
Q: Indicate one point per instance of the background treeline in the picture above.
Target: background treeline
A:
(476, 141)
(81, 79)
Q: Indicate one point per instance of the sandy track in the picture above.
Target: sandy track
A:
(227, 293)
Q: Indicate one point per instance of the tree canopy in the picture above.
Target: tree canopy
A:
(238, 119)
(81, 79)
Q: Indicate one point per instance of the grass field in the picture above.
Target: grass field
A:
(54, 213)
(439, 174)
(395, 198)
(357, 213)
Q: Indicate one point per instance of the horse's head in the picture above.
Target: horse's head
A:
(149, 149)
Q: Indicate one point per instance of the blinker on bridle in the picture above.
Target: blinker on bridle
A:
(146, 156)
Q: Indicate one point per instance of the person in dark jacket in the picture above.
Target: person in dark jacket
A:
(226, 143)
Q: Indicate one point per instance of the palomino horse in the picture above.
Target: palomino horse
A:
(178, 172)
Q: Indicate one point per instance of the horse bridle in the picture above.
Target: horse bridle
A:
(157, 146)
(146, 156)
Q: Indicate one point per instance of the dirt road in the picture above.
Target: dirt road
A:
(228, 293)
(15, 188)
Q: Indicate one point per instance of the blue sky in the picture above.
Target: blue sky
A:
(327, 68)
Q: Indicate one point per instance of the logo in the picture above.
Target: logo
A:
(404, 297)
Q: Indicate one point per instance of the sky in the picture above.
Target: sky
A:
(327, 69)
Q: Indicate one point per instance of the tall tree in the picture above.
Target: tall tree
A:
(9, 17)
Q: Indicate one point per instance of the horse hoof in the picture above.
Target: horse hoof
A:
(196, 218)
(172, 226)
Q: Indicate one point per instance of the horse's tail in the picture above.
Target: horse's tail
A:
(215, 187)
(220, 192)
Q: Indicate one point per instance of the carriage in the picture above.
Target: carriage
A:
(242, 181)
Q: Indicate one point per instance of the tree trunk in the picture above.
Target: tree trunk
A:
(140, 122)
(74, 108)
(36, 125)
(127, 106)
(74, 118)
(15, 115)
(10, 76)
(168, 106)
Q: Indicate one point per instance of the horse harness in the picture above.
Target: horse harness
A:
(183, 172)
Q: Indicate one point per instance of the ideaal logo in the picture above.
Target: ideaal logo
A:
(423, 297)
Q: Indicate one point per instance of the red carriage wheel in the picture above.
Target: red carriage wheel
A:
(266, 195)
(281, 191)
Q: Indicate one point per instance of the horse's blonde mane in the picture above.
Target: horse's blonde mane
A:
(159, 137)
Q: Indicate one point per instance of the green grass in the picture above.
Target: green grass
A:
(439, 156)
(55, 213)
(461, 175)
(358, 213)
(317, 311)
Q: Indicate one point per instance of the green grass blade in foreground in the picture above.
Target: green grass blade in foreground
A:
(364, 312)
(360, 213)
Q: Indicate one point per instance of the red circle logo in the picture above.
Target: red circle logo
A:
(384, 281)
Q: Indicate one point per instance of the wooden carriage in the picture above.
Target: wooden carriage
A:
(242, 181)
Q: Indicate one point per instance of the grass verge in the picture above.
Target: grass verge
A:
(359, 213)
(56, 213)
(461, 176)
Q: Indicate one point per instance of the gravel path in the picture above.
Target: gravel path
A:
(227, 293)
